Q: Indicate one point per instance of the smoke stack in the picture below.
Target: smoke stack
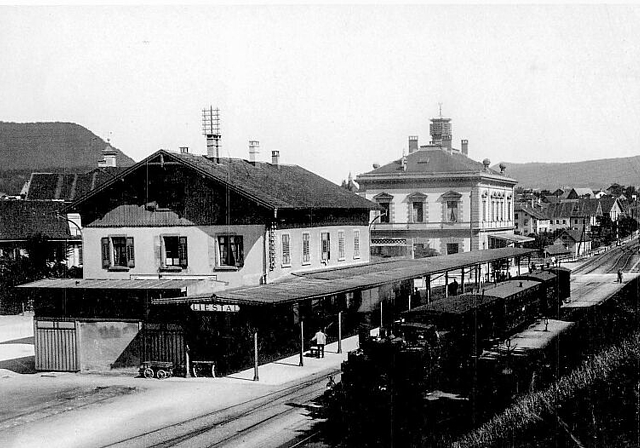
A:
(184, 150)
(413, 143)
(275, 158)
(254, 149)
(464, 147)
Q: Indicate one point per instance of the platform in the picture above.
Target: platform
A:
(593, 289)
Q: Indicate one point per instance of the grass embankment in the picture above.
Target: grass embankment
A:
(596, 405)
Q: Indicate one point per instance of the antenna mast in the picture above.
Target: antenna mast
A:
(211, 129)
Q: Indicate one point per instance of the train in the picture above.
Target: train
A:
(437, 347)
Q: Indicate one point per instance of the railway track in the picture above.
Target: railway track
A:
(228, 426)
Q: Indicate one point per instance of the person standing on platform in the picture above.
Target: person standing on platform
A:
(619, 275)
(321, 340)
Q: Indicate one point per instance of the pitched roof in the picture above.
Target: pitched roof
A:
(20, 220)
(274, 186)
(575, 235)
(538, 213)
(574, 208)
(433, 162)
(67, 186)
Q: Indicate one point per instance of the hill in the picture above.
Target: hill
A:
(591, 173)
(48, 147)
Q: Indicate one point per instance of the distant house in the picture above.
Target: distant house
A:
(577, 193)
(574, 214)
(612, 207)
(577, 242)
(21, 221)
(530, 219)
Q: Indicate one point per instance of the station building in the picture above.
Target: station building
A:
(436, 199)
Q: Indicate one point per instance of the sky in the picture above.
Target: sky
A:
(334, 88)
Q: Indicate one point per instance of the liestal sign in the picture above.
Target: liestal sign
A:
(215, 307)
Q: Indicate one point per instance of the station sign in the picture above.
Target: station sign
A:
(216, 307)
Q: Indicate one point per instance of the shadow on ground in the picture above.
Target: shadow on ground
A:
(24, 365)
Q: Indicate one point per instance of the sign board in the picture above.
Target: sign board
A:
(215, 307)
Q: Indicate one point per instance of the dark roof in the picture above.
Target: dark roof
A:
(556, 249)
(351, 278)
(574, 208)
(20, 220)
(275, 186)
(575, 235)
(67, 186)
(467, 302)
(433, 162)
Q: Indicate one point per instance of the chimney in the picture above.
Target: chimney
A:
(413, 143)
(212, 150)
(184, 150)
(464, 147)
(254, 150)
(109, 157)
(275, 157)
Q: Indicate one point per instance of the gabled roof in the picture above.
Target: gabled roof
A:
(67, 186)
(575, 235)
(273, 186)
(432, 163)
(537, 213)
(574, 208)
(20, 220)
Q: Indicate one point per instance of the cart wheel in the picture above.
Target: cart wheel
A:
(161, 374)
(213, 370)
(148, 373)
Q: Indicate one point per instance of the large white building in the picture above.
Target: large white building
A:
(437, 199)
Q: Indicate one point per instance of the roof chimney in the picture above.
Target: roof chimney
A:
(275, 157)
(184, 150)
(413, 143)
(464, 147)
(254, 150)
(109, 157)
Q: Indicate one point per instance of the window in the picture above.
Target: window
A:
(286, 254)
(117, 252)
(418, 212)
(452, 211)
(356, 244)
(231, 250)
(484, 209)
(526, 222)
(384, 214)
(452, 248)
(564, 221)
(174, 251)
(341, 245)
(516, 216)
(306, 255)
(326, 246)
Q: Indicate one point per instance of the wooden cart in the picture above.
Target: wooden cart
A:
(203, 368)
(157, 369)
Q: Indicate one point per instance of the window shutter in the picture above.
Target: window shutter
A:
(182, 251)
(105, 252)
(157, 251)
(131, 261)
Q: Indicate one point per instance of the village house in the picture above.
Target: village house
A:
(530, 220)
(575, 241)
(436, 199)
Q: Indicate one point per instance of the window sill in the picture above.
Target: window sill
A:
(306, 263)
(171, 269)
(341, 259)
(227, 268)
(356, 258)
(118, 269)
(286, 265)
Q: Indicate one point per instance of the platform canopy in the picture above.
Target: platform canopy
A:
(332, 281)
(512, 237)
(90, 283)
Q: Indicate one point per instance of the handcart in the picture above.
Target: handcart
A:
(156, 369)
